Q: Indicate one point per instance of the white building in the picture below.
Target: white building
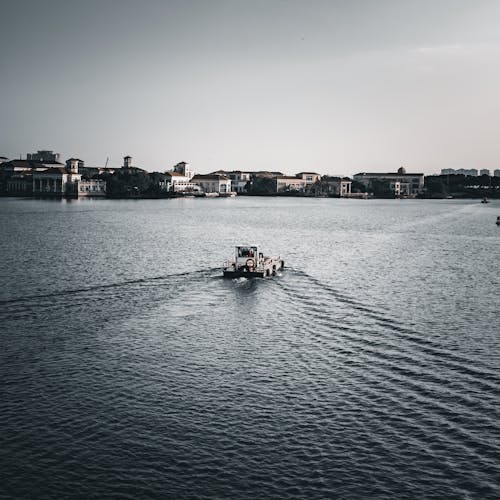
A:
(184, 169)
(179, 179)
(239, 180)
(56, 181)
(61, 181)
(213, 183)
(179, 183)
(91, 187)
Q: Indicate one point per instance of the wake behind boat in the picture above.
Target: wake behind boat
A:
(249, 262)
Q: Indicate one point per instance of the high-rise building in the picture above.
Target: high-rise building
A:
(44, 156)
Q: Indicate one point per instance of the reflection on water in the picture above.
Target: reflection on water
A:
(367, 369)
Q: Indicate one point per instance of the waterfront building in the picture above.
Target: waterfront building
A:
(18, 166)
(20, 183)
(212, 183)
(56, 181)
(240, 181)
(309, 177)
(179, 183)
(484, 171)
(59, 181)
(91, 187)
(332, 186)
(79, 163)
(496, 172)
(184, 169)
(398, 183)
(447, 171)
(286, 183)
(179, 179)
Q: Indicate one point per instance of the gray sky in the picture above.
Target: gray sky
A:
(331, 86)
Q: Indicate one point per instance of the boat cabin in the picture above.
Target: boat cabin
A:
(247, 255)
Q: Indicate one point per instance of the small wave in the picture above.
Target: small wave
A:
(119, 284)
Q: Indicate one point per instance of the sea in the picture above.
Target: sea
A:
(368, 369)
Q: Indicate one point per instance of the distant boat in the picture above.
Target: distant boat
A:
(498, 220)
(485, 200)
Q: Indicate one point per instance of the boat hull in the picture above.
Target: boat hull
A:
(271, 267)
(243, 274)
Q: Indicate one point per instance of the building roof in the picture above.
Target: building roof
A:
(333, 178)
(53, 170)
(266, 173)
(308, 173)
(27, 164)
(209, 177)
(174, 174)
(389, 174)
(290, 178)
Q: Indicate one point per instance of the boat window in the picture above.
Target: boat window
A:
(247, 251)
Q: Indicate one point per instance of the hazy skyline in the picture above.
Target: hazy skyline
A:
(331, 86)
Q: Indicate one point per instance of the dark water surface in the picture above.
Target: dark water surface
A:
(368, 369)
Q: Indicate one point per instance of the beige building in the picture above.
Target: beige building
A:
(309, 177)
(286, 183)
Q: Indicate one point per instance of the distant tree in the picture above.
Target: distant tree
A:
(381, 188)
(358, 187)
(435, 186)
(129, 183)
(263, 186)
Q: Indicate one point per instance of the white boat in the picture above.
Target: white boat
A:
(249, 262)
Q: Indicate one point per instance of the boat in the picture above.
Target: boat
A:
(498, 220)
(485, 200)
(249, 262)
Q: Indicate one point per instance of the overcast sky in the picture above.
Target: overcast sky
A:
(331, 86)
